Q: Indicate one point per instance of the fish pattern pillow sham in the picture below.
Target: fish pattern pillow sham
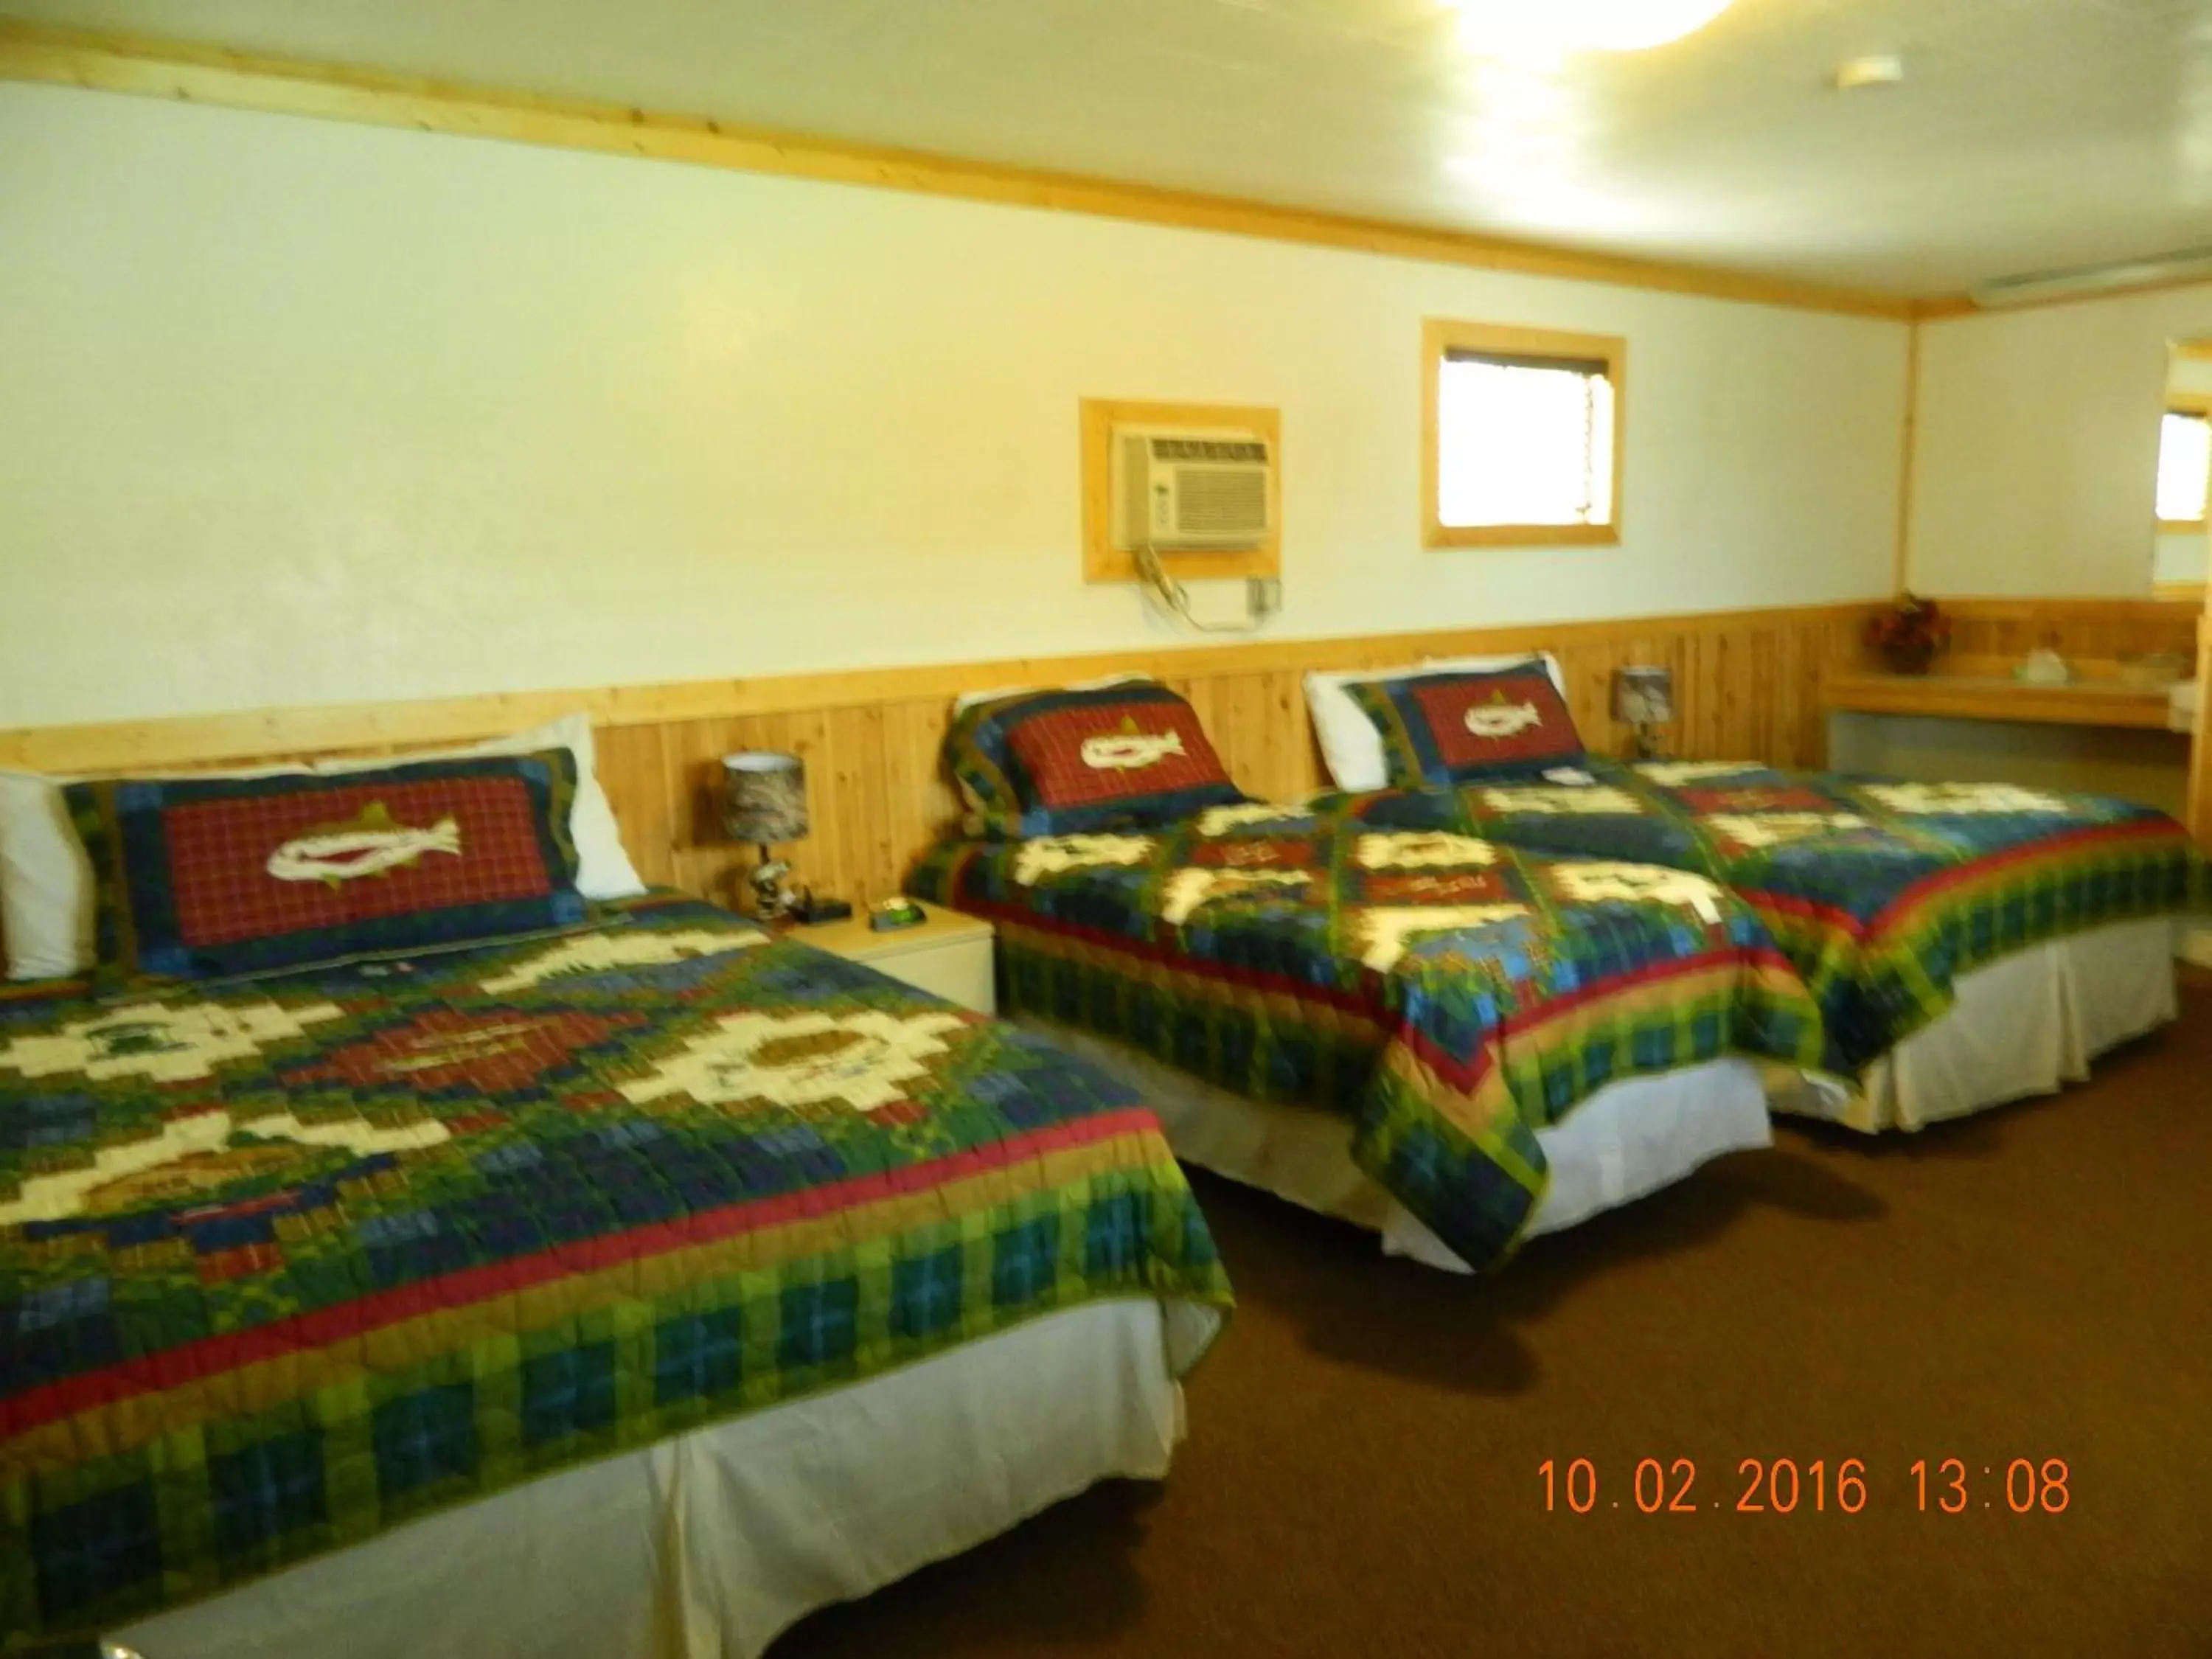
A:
(1067, 762)
(209, 879)
(1443, 729)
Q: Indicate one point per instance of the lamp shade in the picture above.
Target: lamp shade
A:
(765, 796)
(1644, 697)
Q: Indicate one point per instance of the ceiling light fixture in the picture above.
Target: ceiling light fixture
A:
(1881, 68)
(2184, 265)
(1557, 27)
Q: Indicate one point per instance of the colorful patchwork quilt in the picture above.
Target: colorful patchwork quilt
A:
(1881, 892)
(285, 1262)
(1450, 996)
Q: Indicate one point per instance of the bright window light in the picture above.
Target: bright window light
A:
(1522, 441)
(2185, 466)
(1550, 27)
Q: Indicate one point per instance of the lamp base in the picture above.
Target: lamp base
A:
(772, 895)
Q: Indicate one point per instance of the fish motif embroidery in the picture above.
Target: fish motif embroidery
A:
(1755, 831)
(1672, 775)
(196, 1152)
(1421, 850)
(1188, 889)
(1529, 798)
(1055, 855)
(1220, 820)
(1941, 799)
(1505, 720)
(1383, 936)
(1591, 883)
(1129, 750)
(374, 844)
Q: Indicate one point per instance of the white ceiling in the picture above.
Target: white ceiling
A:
(2030, 133)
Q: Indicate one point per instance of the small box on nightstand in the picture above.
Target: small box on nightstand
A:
(950, 954)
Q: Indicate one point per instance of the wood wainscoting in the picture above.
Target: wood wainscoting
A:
(1747, 686)
(1989, 636)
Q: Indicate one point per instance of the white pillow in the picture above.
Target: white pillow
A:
(603, 867)
(45, 879)
(1350, 743)
(967, 700)
(47, 909)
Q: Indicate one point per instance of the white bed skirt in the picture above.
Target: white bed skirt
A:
(2027, 1025)
(706, 1546)
(1628, 1140)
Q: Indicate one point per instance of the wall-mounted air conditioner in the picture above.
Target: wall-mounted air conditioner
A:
(1179, 490)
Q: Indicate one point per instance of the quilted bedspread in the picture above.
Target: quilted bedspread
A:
(285, 1262)
(1881, 892)
(1451, 996)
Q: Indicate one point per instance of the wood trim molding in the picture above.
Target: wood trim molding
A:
(2020, 607)
(204, 739)
(2085, 703)
(1909, 462)
(1440, 335)
(236, 80)
(1947, 307)
(1102, 561)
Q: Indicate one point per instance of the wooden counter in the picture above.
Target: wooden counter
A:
(1950, 696)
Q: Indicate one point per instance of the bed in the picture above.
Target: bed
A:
(1401, 1029)
(1967, 943)
(629, 1283)
(1457, 1043)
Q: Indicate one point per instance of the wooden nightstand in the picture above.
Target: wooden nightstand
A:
(950, 954)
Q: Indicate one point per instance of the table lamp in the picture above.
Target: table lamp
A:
(764, 802)
(1643, 698)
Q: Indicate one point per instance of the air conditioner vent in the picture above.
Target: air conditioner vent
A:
(1180, 491)
(1221, 500)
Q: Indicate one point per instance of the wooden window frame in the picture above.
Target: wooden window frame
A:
(2199, 403)
(1440, 335)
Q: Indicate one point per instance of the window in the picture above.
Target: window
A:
(1522, 436)
(2184, 465)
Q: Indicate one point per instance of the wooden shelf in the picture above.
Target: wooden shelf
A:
(1947, 696)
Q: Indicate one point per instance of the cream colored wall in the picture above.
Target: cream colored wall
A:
(2036, 456)
(295, 412)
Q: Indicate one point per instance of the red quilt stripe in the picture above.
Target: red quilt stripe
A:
(1462, 1073)
(2004, 863)
(1894, 914)
(233, 1350)
(1465, 1074)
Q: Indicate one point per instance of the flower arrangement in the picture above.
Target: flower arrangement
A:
(1911, 635)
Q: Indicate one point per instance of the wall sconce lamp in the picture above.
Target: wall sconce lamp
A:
(1644, 699)
(764, 802)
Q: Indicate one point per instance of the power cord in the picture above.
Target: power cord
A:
(1262, 597)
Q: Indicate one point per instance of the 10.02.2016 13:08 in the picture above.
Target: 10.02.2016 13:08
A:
(1783, 1486)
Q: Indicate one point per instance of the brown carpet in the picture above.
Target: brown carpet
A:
(1361, 1478)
